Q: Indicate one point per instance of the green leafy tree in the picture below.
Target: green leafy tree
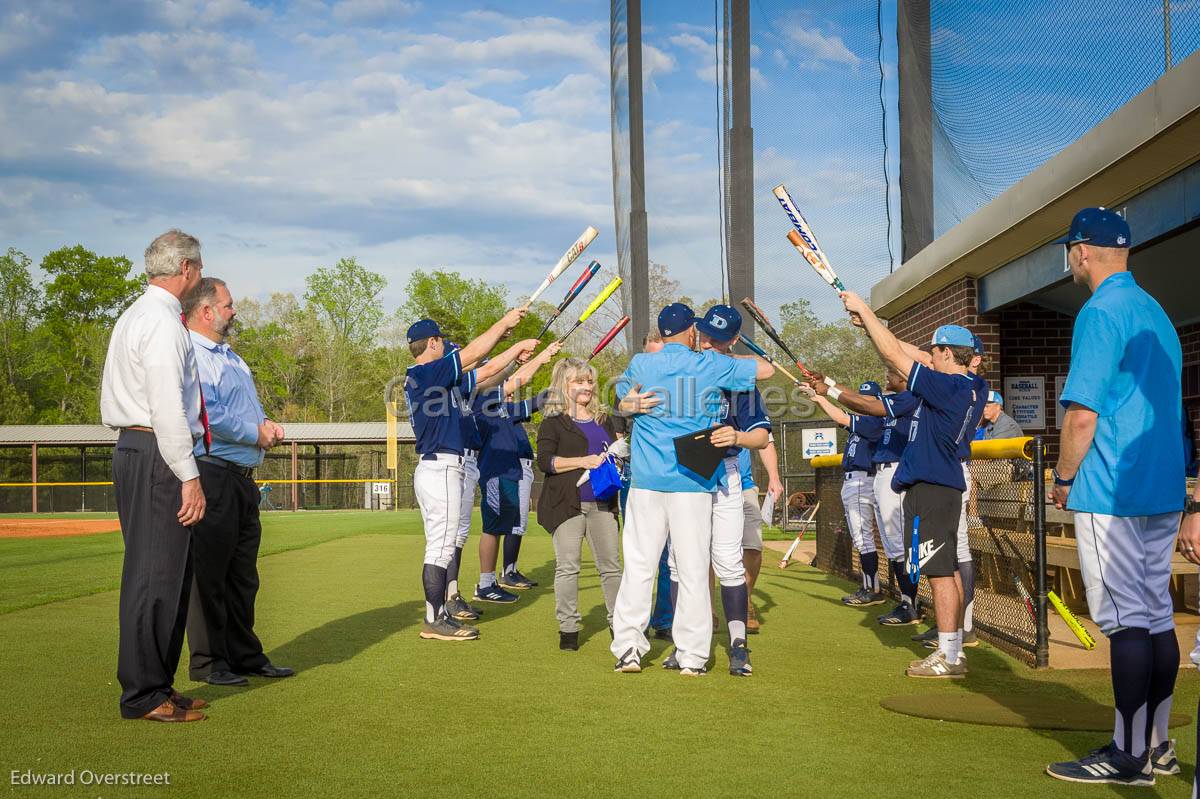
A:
(83, 295)
(347, 297)
(276, 339)
(20, 299)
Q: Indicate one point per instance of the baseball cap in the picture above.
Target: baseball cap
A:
(870, 389)
(675, 319)
(1098, 226)
(996, 397)
(423, 329)
(721, 322)
(978, 345)
(953, 336)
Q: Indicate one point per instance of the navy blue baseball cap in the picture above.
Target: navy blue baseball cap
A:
(870, 389)
(721, 323)
(423, 329)
(675, 319)
(1098, 226)
(953, 336)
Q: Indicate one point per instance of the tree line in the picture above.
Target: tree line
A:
(324, 355)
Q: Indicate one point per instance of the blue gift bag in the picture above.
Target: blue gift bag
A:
(605, 479)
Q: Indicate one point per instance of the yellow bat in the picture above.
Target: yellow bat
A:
(1080, 631)
(596, 303)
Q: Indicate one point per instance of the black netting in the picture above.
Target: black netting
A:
(1012, 86)
(1001, 529)
(619, 87)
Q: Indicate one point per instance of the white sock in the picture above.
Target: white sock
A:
(451, 588)
(737, 630)
(950, 645)
(487, 579)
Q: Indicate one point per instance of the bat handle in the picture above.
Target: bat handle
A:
(549, 322)
(528, 303)
(572, 330)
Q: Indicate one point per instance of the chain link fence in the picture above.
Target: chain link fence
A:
(1007, 533)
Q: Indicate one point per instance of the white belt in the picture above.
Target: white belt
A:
(471, 453)
(443, 457)
(891, 465)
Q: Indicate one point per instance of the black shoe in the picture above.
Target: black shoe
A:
(225, 678)
(568, 641)
(272, 671)
(664, 634)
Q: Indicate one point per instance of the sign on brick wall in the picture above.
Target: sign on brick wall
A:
(1025, 401)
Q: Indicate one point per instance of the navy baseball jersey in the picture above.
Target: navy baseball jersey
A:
(943, 420)
(865, 432)
(744, 411)
(432, 391)
(981, 390)
(524, 448)
(472, 440)
(498, 424)
(897, 426)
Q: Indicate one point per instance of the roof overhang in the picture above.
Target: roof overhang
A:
(1153, 136)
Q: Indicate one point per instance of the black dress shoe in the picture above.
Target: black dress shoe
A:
(568, 641)
(225, 678)
(270, 670)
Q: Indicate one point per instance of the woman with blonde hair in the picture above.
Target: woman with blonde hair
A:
(574, 436)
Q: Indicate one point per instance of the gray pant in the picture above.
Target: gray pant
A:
(600, 528)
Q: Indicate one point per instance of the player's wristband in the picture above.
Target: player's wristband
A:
(1191, 506)
(1060, 481)
(834, 393)
(829, 381)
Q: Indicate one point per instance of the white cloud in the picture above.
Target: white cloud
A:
(372, 12)
(816, 47)
(574, 95)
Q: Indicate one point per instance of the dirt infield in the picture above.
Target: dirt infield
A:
(53, 528)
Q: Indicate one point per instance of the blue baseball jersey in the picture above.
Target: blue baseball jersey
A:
(498, 425)
(981, 390)
(690, 385)
(524, 448)
(865, 432)
(744, 411)
(432, 391)
(1126, 363)
(942, 421)
(472, 440)
(897, 426)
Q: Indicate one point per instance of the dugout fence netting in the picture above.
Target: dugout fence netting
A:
(1003, 531)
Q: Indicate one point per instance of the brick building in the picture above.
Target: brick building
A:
(997, 273)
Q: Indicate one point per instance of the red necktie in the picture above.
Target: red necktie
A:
(203, 412)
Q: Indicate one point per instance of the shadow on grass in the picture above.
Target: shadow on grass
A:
(335, 641)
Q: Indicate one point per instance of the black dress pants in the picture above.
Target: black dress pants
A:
(225, 544)
(156, 575)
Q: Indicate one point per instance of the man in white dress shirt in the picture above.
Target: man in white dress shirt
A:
(150, 392)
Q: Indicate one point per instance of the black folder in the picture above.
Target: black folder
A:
(696, 453)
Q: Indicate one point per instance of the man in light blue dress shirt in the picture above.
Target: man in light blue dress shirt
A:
(225, 543)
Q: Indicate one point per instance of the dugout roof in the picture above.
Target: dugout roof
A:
(1144, 159)
(97, 435)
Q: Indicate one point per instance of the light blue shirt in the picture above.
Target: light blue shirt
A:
(234, 412)
(690, 385)
(747, 473)
(1125, 365)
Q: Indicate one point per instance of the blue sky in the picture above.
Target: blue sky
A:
(464, 135)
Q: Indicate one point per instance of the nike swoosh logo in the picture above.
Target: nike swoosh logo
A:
(925, 559)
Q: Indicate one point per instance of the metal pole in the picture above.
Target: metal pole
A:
(1167, 34)
(295, 486)
(34, 488)
(916, 127)
(741, 163)
(639, 248)
(1042, 654)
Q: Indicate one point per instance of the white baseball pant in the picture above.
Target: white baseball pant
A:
(437, 482)
(1126, 566)
(728, 526)
(858, 501)
(889, 510)
(964, 541)
(650, 517)
(467, 505)
(525, 491)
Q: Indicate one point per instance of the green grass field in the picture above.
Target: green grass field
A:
(375, 711)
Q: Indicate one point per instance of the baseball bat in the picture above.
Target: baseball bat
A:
(1080, 631)
(596, 303)
(567, 259)
(1018, 583)
(576, 289)
(805, 240)
(759, 317)
(760, 352)
(609, 336)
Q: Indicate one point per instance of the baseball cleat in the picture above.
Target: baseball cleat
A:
(494, 593)
(928, 635)
(515, 581)
(671, 663)
(446, 629)
(739, 658)
(862, 598)
(902, 615)
(663, 634)
(1162, 758)
(457, 608)
(693, 671)
(628, 663)
(1107, 764)
(937, 667)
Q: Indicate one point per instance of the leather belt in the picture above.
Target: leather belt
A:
(139, 428)
(244, 471)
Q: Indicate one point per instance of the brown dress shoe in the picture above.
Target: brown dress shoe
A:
(751, 619)
(169, 711)
(188, 702)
